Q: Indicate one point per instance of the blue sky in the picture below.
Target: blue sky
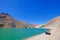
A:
(31, 11)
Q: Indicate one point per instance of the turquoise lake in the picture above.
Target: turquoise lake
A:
(19, 33)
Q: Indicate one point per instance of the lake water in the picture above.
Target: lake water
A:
(19, 33)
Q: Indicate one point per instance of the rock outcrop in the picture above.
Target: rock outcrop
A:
(7, 21)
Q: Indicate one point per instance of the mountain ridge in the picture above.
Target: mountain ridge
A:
(7, 21)
(55, 22)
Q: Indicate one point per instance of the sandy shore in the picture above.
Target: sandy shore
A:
(55, 35)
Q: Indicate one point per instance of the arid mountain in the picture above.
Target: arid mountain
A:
(7, 21)
(55, 22)
(36, 25)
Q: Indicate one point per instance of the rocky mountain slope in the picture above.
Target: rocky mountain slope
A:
(55, 22)
(7, 21)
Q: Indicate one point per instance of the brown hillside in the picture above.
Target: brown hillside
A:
(7, 21)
